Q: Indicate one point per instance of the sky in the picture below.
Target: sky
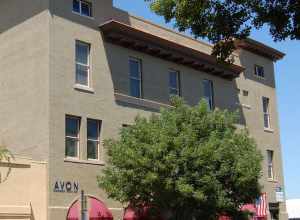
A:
(288, 98)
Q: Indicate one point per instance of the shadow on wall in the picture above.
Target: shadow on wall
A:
(226, 94)
(14, 12)
(32, 213)
(249, 60)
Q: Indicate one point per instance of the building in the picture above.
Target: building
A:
(74, 71)
(293, 208)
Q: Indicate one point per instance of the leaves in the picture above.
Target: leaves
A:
(5, 156)
(221, 22)
(189, 160)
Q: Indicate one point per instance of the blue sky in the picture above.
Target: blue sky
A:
(287, 82)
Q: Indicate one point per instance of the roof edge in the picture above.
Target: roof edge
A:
(260, 49)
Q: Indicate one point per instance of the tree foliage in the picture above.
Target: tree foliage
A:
(187, 161)
(5, 154)
(222, 21)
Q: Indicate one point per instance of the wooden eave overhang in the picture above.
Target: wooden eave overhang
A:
(137, 39)
(260, 49)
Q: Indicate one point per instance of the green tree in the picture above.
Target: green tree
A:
(222, 21)
(187, 161)
(5, 156)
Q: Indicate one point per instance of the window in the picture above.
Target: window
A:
(135, 75)
(209, 93)
(82, 63)
(93, 139)
(82, 7)
(266, 112)
(259, 71)
(72, 136)
(270, 156)
(174, 83)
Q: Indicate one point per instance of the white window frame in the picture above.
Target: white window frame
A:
(95, 140)
(80, 8)
(88, 66)
(211, 105)
(73, 137)
(270, 164)
(256, 72)
(139, 61)
(267, 112)
(177, 82)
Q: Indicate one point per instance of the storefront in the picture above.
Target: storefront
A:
(23, 189)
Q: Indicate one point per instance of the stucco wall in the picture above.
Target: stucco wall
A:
(24, 61)
(23, 189)
(37, 90)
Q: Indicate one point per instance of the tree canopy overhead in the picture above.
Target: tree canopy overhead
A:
(222, 21)
(187, 161)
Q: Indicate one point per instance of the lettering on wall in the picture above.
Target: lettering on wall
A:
(66, 187)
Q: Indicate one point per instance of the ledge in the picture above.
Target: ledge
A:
(269, 130)
(244, 105)
(11, 211)
(140, 40)
(145, 103)
(84, 16)
(272, 180)
(83, 88)
(260, 49)
(91, 162)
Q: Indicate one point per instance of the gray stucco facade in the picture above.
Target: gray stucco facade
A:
(38, 90)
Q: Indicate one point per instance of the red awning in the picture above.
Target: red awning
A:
(97, 210)
(134, 214)
(74, 211)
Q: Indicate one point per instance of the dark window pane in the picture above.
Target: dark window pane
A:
(208, 93)
(86, 9)
(134, 68)
(92, 150)
(270, 172)
(173, 80)
(173, 91)
(135, 88)
(266, 121)
(72, 128)
(71, 147)
(76, 6)
(82, 75)
(259, 71)
(93, 129)
(82, 53)
(265, 105)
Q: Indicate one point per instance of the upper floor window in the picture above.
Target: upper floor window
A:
(135, 76)
(209, 93)
(266, 112)
(174, 83)
(82, 63)
(270, 158)
(82, 7)
(93, 139)
(72, 136)
(259, 71)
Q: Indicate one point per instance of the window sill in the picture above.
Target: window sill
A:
(269, 130)
(83, 88)
(244, 105)
(259, 77)
(91, 162)
(272, 180)
(85, 16)
(140, 102)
